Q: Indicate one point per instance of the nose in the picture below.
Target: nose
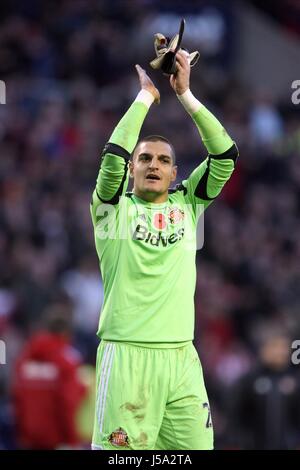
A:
(153, 164)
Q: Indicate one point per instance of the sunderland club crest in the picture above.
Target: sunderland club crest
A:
(119, 438)
(176, 215)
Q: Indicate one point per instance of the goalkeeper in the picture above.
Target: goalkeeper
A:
(150, 388)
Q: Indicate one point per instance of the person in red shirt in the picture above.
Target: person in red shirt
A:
(47, 389)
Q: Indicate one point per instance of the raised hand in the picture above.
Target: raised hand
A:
(147, 84)
(180, 81)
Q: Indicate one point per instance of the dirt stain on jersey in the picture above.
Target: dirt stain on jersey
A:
(139, 417)
(131, 407)
(134, 407)
(142, 439)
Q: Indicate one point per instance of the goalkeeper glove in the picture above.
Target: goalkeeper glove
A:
(166, 49)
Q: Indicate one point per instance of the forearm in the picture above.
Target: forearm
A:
(127, 131)
(112, 177)
(210, 177)
(213, 134)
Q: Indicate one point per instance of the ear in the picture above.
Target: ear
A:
(174, 173)
(131, 168)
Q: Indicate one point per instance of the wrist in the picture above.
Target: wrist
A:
(189, 101)
(181, 91)
(145, 97)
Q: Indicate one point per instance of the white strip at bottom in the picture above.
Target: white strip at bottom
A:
(96, 447)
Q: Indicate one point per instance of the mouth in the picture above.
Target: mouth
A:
(152, 177)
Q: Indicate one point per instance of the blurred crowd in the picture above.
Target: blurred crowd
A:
(69, 72)
(287, 13)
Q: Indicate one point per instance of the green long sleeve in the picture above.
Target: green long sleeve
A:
(208, 179)
(127, 132)
(112, 179)
(213, 134)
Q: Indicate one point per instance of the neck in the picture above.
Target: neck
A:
(148, 196)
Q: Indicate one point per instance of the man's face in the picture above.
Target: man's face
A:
(153, 170)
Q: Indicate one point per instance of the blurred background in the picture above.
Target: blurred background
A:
(68, 67)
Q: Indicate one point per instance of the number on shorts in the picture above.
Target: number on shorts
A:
(208, 422)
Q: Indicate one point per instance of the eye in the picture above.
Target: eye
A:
(144, 157)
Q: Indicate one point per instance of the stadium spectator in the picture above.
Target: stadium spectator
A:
(47, 389)
(265, 409)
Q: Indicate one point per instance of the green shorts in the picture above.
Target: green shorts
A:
(149, 398)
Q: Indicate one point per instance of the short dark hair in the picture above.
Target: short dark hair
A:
(157, 138)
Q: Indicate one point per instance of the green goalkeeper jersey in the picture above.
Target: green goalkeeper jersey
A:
(146, 250)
